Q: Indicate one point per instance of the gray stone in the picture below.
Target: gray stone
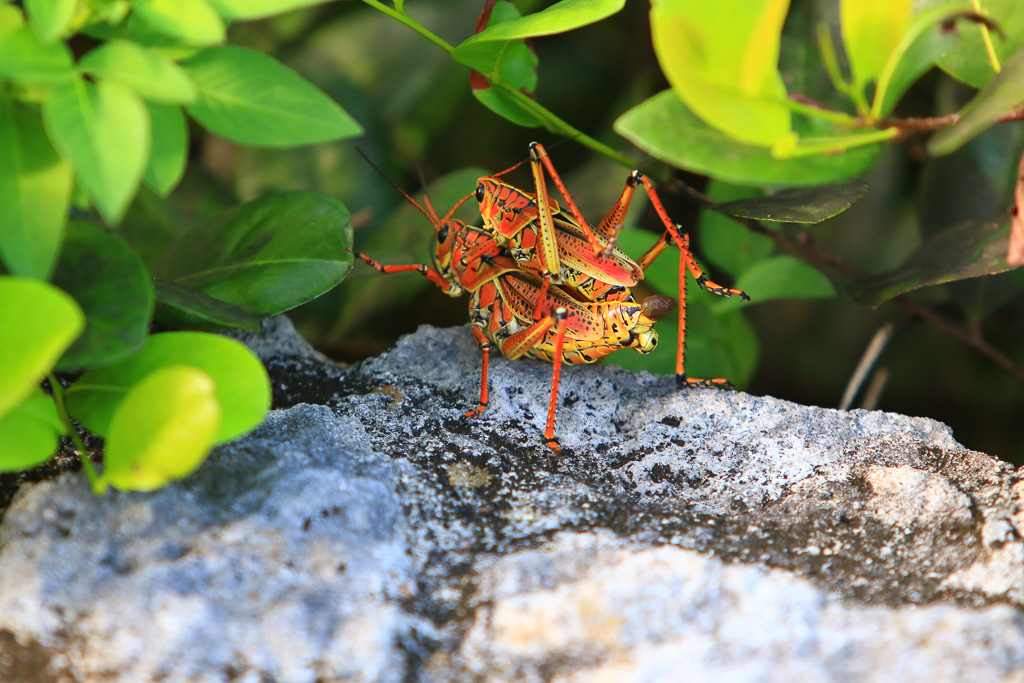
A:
(381, 535)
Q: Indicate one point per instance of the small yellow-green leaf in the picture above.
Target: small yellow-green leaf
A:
(35, 193)
(170, 148)
(721, 58)
(150, 74)
(259, 9)
(162, 430)
(39, 322)
(242, 385)
(103, 130)
(871, 29)
(24, 58)
(28, 434)
(50, 18)
(192, 21)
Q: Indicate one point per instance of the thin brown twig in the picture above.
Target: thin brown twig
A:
(822, 258)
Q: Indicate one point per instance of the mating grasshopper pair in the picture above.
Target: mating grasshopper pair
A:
(544, 283)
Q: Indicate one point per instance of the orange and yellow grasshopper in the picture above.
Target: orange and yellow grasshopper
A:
(526, 316)
(564, 249)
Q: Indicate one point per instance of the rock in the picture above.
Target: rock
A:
(380, 535)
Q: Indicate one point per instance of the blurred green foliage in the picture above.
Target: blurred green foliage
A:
(774, 125)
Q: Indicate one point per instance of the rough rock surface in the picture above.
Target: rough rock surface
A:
(372, 533)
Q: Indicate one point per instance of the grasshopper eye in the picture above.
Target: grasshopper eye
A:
(480, 191)
(442, 234)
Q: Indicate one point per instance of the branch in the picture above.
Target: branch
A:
(809, 252)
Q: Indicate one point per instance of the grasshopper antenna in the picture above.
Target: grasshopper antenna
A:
(429, 211)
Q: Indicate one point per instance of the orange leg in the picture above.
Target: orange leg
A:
(540, 161)
(681, 379)
(485, 351)
(561, 318)
(420, 268)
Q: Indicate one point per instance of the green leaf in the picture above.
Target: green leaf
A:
(28, 434)
(724, 242)
(170, 148)
(268, 255)
(921, 43)
(187, 308)
(511, 63)
(251, 98)
(39, 322)
(259, 9)
(504, 105)
(558, 18)
(871, 30)
(151, 75)
(1002, 94)
(103, 130)
(50, 18)
(721, 59)
(138, 30)
(778, 277)
(162, 430)
(917, 59)
(970, 249)
(23, 58)
(191, 21)
(967, 59)
(109, 282)
(800, 205)
(35, 193)
(242, 385)
(663, 127)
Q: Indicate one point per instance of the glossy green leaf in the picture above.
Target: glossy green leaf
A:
(967, 59)
(166, 163)
(663, 127)
(504, 105)
(25, 59)
(192, 21)
(724, 242)
(558, 18)
(242, 385)
(39, 322)
(35, 193)
(109, 282)
(50, 18)
(971, 249)
(1002, 94)
(799, 205)
(28, 433)
(103, 130)
(138, 30)
(268, 255)
(920, 55)
(251, 98)
(259, 9)
(721, 59)
(186, 308)
(921, 43)
(151, 75)
(778, 277)
(162, 430)
(511, 63)
(871, 30)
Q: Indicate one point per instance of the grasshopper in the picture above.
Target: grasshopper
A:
(564, 249)
(505, 301)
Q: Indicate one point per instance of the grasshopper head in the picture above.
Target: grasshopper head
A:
(653, 308)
